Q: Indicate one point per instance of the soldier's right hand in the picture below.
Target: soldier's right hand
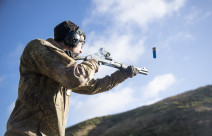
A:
(95, 64)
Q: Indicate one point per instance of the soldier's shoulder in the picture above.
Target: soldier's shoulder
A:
(38, 44)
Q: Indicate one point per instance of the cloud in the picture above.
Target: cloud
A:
(151, 93)
(196, 15)
(108, 102)
(14, 55)
(187, 58)
(11, 107)
(178, 37)
(119, 100)
(158, 84)
(2, 79)
(102, 104)
(138, 12)
(123, 47)
(121, 22)
(17, 51)
(207, 14)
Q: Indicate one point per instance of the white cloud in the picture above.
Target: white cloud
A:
(14, 55)
(2, 79)
(138, 12)
(197, 15)
(17, 51)
(192, 16)
(109, 102)
(120, 24)
(119, 100)
(157, 85)
(11, 107)
(179, 36)
(125, 48)
(124, 19)
(101, 104)
(207, 14)
(151, 92)
(187, 58)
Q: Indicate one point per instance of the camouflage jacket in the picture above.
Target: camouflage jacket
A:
(47, 74)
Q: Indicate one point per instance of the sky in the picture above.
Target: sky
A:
(179, 29)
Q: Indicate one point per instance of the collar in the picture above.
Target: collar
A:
(71, 54)
(52, 41)
(68, 52)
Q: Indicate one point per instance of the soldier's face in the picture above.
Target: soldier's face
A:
(78, 49)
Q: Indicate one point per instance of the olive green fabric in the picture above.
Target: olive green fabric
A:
(47, 75)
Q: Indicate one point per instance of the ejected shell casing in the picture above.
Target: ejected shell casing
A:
(154, 52)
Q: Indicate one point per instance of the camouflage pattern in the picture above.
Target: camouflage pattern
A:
(47, 75)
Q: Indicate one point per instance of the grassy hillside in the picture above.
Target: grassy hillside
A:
(187, 114)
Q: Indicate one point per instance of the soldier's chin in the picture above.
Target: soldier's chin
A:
(75, 54)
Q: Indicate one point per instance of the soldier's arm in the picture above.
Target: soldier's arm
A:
(55, 64)
(103, 84)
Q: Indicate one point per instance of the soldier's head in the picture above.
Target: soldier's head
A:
(70, 35)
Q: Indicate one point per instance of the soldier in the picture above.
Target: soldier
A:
(48, 74)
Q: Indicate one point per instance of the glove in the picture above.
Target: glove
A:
(131, 71)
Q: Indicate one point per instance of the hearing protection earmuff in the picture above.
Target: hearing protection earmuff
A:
(73, 38)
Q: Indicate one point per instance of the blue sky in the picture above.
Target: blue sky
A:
(179, 29)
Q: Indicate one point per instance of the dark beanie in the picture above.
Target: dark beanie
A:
(62, 29)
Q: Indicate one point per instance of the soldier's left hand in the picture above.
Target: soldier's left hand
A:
(131, 71)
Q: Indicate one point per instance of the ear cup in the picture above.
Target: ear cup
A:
(72, 39)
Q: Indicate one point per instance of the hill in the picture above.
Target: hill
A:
(187, 114)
